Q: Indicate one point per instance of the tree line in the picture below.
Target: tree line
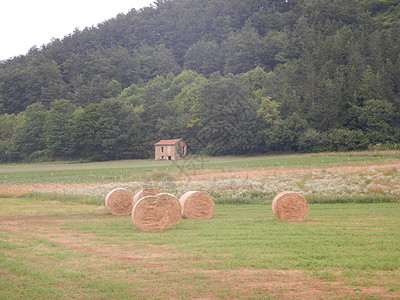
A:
(229, 77)
(219, 115)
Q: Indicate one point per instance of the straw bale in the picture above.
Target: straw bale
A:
(197, 205)
(150, 213)
(174, 209)
(144, 193)
(290, 206)
(119, 202)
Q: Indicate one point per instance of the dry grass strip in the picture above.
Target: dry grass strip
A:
(290, 206)
(197, 205)
(119, 202)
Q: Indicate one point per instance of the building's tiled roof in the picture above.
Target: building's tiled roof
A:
(167, 142)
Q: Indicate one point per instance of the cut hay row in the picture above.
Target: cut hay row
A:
(290, 206)
(154, 211)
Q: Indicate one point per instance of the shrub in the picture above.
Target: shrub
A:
(312, 140)
(347, 140)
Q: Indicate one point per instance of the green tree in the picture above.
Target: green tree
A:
(59, 133)
(156, 109)
(205, 57)
(224, 120)
(284, 136)
(44, 81)
(244, 51)
(120, 131)
(325, 109)
(114, 88)
(257, 79)
(29, 140)
(375, 118)
(269, 111)
(155, 61)
(8, 125)
(311, 140)
(124, 67)
(85, 131)
(182, 89)
(93, 91)
(133, 95)
(289, 101)
(343, 139)
(30, 79)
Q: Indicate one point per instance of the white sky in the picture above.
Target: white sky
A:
(26, 23)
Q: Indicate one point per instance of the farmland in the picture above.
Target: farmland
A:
(58, 241)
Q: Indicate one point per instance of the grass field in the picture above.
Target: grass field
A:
(55, 250)
(58, 241)
(129, 170)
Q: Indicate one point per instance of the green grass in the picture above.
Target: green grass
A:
(348, 236)
(68, 246)
(64, 253)
(128, 170)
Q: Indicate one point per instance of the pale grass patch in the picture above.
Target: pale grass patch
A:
(314, 183)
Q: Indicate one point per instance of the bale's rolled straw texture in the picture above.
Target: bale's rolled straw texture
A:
(290, 206)
(150, 213)
(119, 202)
(197, 205)
(143, 193)
(174, 210)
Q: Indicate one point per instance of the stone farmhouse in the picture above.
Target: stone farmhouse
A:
(170, 149)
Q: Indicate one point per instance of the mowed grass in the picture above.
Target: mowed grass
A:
(60, 250)
(65, 245)
(129, 170)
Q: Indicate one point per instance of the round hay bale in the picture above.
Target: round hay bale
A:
(290, 206)
(197, 205)
(119, 202)
(150, 214)
(174, 210)
(143, 193)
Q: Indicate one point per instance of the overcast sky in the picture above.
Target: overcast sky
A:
(26, 23)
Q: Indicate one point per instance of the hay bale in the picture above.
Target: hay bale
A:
(119, 202)
(197, 205)
(290, 206)
(174, 210)
(150, 213)
(143, 193)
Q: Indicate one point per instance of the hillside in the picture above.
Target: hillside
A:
(230, 77)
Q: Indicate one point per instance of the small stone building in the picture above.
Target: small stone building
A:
(170, 149)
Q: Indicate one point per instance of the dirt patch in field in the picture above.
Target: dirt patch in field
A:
(162, 263)
(289, 284)
(47, 227)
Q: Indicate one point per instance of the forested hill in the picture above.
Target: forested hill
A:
(228, 76)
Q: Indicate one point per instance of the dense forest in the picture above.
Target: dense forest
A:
(230, 77)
